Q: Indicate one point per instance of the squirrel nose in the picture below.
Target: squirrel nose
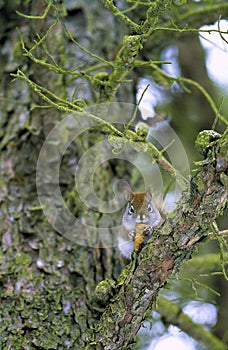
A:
(141, 217)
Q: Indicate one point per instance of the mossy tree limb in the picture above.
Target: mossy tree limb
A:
(174, 315)
(174, 242)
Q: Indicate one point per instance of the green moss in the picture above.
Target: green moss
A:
(23, 259)
(179, 2)
(224, 179)
(99, 80)
(142, 129)
(80, 103)
(204, 140)
(104, 290)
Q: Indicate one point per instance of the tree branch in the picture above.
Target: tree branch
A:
(174, 315)
(140, 281)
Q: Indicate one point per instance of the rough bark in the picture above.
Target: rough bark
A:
(139, 284)
(48, 298)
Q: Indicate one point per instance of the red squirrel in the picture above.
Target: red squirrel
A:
(140, 216)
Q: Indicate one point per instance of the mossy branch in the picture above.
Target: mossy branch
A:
(82, 48)
(109, 4)
(53, 67)
(181, 81)
(131, 45)
(125, 60)
(172, 314)
(140, 144)
(61, 104)
(204, 10)
(222, 245)
(50, 4)
(206, 263)
(170, 245)
(136, 141)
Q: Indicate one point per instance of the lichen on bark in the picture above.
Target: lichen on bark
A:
(48, 284)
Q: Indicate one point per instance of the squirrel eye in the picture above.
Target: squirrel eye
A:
(131, 209)
(150, 208)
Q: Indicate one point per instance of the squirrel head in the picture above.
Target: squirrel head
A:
(140, 209)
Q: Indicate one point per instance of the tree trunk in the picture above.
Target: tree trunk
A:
(48, 282)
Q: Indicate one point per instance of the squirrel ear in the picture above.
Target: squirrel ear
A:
(149, 192)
